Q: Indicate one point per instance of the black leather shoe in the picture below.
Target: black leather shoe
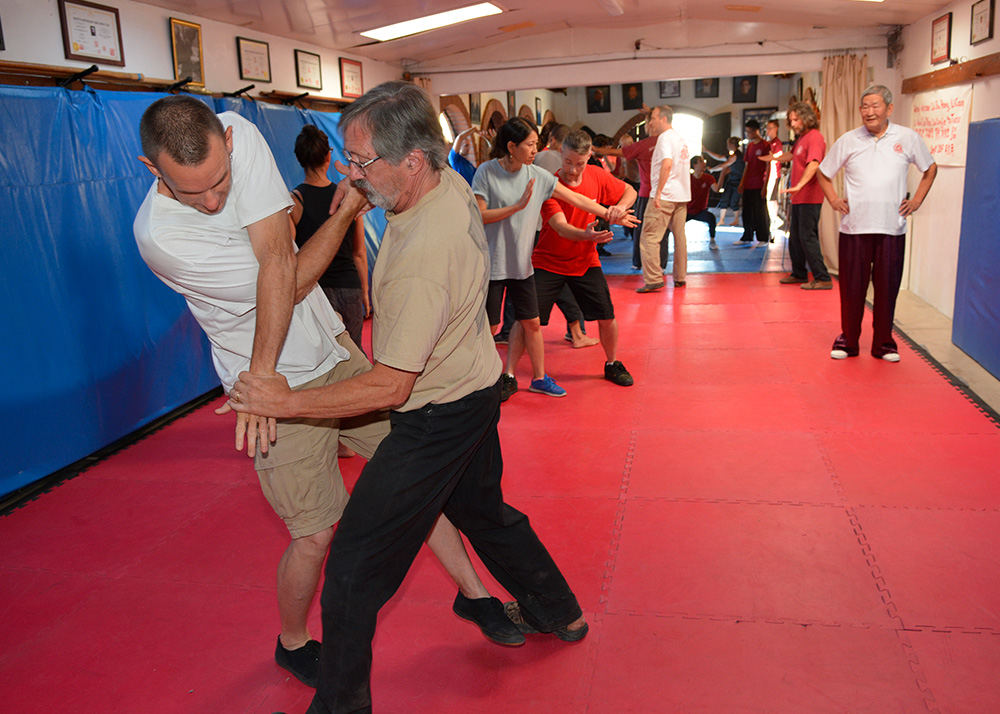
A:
(488, 614)
(302, 662)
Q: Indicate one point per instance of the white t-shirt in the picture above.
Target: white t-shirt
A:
(671, 145)
(512, 240)
(875, 176)
(209, 260)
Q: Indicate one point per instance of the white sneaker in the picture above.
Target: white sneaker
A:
(891, 357)
(838, 354)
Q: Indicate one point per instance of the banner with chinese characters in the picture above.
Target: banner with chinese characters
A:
(941, 117)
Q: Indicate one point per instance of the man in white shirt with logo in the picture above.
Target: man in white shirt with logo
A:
(876, 159)
(669, 191)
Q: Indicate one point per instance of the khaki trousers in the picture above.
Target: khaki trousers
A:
(655, 222)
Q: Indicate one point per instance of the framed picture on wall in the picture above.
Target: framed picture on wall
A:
(255, 59)
(91, 32)
(352, 82)
(632, 96)
(538, 111)
(476, 108)
(1, 37)
(599, 99)
(941, 39)
(308, 70)
(185, 41)
(982, 22)
(761, 114)
(670, 89)
(511, 105)
(706, 88)
(745, 89)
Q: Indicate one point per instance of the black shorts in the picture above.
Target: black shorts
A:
(522, 294)
(590, 290)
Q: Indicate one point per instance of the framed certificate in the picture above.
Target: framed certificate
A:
(185, 41)
(308, 70)
(91, 33)
(352, 83)
(255, 59)
(941, 39)
(982, 22)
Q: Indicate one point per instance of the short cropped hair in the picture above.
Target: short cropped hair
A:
(880, 90)
(312, 146)
(558, 133)
(181, 126)
(517, 130)
(752, 124)
(400, 119)
(806, 115)
(665, 111)
(579, 142)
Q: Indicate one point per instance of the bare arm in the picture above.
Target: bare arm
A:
(608, 151)
(493, 215)
(910, 205)
(807, 176)
(361, 261)
(836, 202)
(379, 388)
(570, 232)
(613, 214)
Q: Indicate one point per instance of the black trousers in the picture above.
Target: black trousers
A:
(876, 259)
(803, 242)
(755, 217)
(442, 457)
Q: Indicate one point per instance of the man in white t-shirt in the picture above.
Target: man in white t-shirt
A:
(214, 227)
(669, 191)
(876, 159)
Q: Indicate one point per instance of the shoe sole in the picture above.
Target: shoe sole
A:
(486, 634)
(563, 634)
(547, 394)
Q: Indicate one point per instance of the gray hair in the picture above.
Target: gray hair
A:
(880, 90)
(579, 142)
(665, 111)
(400, 118)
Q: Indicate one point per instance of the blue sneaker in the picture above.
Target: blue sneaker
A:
(546, 385)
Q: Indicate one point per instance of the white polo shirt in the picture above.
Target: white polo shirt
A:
(875, 176)
(209, 260)
(671, 145)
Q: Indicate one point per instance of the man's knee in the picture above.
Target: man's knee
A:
(315, 545)
(533, 324)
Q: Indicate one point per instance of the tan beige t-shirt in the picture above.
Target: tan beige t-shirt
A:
(429, 289)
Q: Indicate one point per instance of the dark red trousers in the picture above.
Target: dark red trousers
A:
(864, 258)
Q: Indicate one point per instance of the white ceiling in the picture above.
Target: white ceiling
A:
(335, 24)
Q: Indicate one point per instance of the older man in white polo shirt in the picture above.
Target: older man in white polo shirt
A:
(876, 158)
(669, 193)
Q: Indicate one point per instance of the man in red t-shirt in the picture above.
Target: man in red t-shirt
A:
(566, 253)
(753, 188)
(697, 210)
(807, 199)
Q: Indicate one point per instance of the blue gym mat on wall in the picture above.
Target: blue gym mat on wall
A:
(95, 345)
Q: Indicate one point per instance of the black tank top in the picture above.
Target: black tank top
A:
(342, 272)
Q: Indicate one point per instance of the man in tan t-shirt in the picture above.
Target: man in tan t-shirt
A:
(437, 368)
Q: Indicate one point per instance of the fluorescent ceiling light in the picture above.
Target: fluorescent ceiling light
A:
(432, 22)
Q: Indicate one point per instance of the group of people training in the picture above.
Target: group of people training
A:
(217, 227)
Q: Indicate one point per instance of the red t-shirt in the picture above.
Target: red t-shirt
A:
(642, 153)
(755, 174)
(699, 193)
(810, 147)
(776, 147)
(575, 257)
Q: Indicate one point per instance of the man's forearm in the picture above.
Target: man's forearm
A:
(320, 250)
(275, 301)
(827, 186)
(379, 388)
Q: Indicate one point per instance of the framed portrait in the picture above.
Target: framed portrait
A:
(599, 99)
(2, 47)
(982, 22)
(511, 105)
(255, 59)
(761, 114)
(632, 96)
(745, 89)
(941, 39)
(476, 108)
(706, 88)
(670, 89)
(91, 32)
(308, 70)
(538, 111)
(352, 82)
(185, 41)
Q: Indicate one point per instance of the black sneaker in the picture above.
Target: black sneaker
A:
(302, 662)
(508, 385)
(488, 614)
(616, 372)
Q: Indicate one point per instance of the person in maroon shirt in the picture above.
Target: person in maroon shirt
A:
(701, 184)
(753, 187)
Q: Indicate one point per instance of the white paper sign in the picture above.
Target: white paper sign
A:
(941, 117)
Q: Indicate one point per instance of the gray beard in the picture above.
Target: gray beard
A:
(374, 197)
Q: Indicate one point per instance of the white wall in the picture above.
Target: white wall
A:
(935, 230)
(32, 34)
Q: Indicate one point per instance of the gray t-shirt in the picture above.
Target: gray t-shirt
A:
(512, 240)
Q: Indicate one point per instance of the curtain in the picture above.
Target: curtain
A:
(845, 77)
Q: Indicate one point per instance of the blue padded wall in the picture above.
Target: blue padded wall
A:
(95, 345)
(976, 323)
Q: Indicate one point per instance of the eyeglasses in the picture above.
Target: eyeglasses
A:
(360, 165)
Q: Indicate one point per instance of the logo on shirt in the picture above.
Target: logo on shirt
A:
(898, 148)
